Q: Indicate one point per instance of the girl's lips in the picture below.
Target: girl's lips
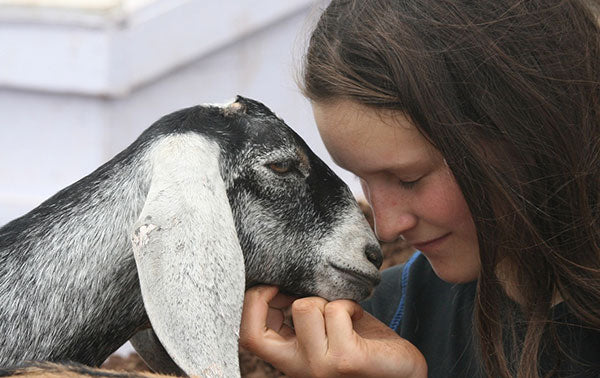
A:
(430, 243)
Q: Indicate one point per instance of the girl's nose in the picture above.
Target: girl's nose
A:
(390, 224)
(392, 214)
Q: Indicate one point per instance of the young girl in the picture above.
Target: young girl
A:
(474, 127)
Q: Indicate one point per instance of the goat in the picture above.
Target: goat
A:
(159, 244)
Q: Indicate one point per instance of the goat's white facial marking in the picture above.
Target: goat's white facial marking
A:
(351, 258)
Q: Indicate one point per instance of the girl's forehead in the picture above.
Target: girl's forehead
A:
(348, 116)
(357, 135)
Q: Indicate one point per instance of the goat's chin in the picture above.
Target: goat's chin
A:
(339, 282)
(337, 287)
(351, 292)
(333, 284)
(346, 291)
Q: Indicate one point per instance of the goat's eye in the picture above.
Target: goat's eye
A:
(281, 167)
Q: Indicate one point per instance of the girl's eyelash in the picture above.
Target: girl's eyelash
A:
(408, 184)
(404, 184)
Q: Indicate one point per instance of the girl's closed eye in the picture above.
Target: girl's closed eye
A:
(409, 184)
(411, 178)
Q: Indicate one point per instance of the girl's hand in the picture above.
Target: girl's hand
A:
(328, 339)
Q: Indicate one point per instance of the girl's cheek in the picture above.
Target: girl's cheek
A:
(445, 199)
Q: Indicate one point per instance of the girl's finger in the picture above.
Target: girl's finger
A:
(254, 330)
(256, 305)
(279, 348)
(339, 316)
(274, 319)
(282, 301)
(369, 327)
(309, 326)
(276, 322)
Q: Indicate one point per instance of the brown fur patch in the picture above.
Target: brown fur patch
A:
(54, 370)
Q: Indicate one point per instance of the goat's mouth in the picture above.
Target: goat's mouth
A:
(358, 278)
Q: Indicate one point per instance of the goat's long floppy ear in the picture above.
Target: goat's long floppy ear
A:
(189, 261)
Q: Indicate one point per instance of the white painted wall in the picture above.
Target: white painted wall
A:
(110, 47)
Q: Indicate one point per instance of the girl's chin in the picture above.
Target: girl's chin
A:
(454, 272)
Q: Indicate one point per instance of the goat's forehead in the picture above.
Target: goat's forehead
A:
(272, 135)
(259, 124)
(270, 127)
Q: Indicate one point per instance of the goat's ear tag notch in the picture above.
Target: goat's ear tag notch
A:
(236, 107)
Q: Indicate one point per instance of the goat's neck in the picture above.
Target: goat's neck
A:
(68, 280)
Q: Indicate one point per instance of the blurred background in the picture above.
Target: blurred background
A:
(81, 79)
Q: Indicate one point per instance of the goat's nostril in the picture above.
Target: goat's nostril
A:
(374, 255)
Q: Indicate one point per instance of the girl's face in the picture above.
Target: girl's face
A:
(407, 183)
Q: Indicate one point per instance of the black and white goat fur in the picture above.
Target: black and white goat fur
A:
(159, 244)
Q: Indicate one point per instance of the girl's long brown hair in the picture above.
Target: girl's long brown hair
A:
(508, 91)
